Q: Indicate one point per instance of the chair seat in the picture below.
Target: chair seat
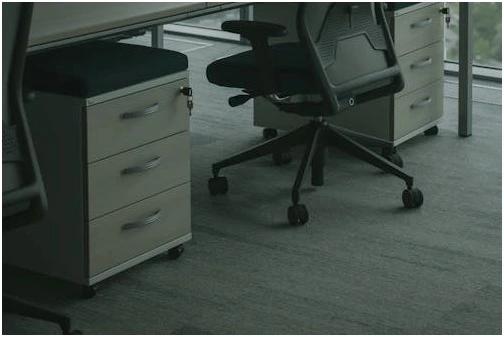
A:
(241, 71)
(97, 67)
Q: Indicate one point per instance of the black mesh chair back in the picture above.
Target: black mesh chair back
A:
(24, 198)
(350, 50)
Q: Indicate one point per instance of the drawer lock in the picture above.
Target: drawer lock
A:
(187, 91)
(446, 12)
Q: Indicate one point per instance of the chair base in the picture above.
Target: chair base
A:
(16, 306)
(317, 136)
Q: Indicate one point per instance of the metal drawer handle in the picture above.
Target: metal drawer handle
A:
(422, 23)
(421, 64)
(144, 167)
(424, 102)
(144, 222)
(141, 113)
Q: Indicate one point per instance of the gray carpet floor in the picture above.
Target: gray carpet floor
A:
(362, 265)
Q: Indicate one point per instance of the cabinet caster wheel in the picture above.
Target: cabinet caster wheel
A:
(393, 157)
(412, 198)
(432, 131)
(218, 185)
(297, 215)
(175, 252)
(282, 158)
(88, 292)
(269, 133)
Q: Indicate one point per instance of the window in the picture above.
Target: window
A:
(487, 36)
(212, 21)
(210, 25)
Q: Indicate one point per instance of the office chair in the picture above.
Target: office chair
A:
(345, 57)
(24, 198)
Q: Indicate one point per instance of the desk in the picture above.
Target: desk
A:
(56, 24)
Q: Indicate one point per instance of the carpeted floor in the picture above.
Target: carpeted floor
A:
(363, 265)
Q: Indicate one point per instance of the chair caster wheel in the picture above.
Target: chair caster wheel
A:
(432, 131)
(88, 292)
(269, 133)
(282, 158)
(218, 185)
(412, 198)
(175, 252)
(393, 157)
(297, 215)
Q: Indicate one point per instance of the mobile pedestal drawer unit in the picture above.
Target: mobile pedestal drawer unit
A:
(110, 124)
(417, 30)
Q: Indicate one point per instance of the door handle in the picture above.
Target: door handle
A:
(140, 113)
(422, 23)
(154, 217)
(421, 64)
(143, 167)
(422, 103)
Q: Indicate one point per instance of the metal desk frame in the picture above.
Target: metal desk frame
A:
(465, 69)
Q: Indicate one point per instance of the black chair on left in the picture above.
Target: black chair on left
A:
(23, 192)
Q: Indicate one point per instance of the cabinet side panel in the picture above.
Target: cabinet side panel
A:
(55, 245)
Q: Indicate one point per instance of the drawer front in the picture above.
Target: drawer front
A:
(120, 236)
(422, 67)
(133, 120)
(418, 29)
(137, 174)
(417, 109)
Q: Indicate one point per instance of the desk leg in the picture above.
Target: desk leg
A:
(157, 36)
(465, 69)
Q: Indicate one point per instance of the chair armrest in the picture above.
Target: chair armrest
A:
(254, 29)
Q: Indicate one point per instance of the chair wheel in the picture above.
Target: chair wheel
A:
(432, 131)
(394, 158)
(412, 198)
(282, 158)
(269, 133)
(175, 252)
(88, 292)
(297, 215)
(218, 185)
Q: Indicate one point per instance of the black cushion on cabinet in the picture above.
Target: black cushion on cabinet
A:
(97, 67)
(290, 64)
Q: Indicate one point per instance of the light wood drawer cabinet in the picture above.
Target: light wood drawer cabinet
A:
(118, 187)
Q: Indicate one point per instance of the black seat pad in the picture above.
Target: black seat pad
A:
(97, 67)
(241, 71)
